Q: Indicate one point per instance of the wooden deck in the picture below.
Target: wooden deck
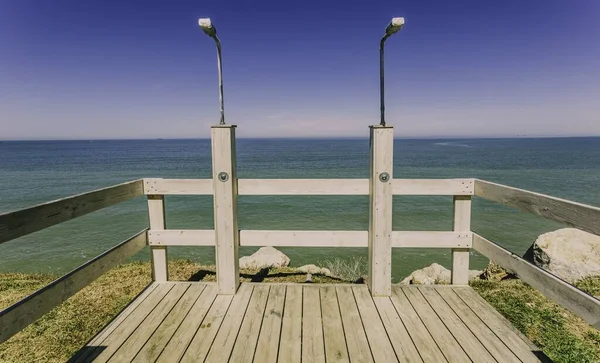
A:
(189, 322)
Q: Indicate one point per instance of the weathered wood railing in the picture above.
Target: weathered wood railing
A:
(25, 221)
(581, 216)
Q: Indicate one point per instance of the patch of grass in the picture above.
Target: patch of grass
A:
(56, 336)
(591, 285)
(560, 334)
(351, 270)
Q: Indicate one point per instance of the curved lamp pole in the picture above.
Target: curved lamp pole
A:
(393, 27)
(211, 31)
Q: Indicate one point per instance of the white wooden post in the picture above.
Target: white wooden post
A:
(380, 210)
(156, 220)
(225, 202)
(462, 223)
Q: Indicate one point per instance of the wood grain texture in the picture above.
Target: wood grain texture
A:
(225, 208)
(582, 216)
(182, 237)
(245, 343)
(380, 210)
(290, 346)
(25, 221)
(433, 186)
(267, 347)
(313, 350)
(578, 302)
(17, 316)
(158, 186)
(401, 341)
(303, 186)
(461, 223)
(354, 331)
(335, 342)
(157, 221)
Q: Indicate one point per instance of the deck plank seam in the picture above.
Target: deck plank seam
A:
(161, 322)
(281, 322)
(216, 332)
(261, 323)
(444, 323)
(194, 335)
(408, 330)
(82, 356)
(140, 323)
(337, 300)
(423, 322)
(502, 340)
(363, 324)
(182, 320)
(472, 332)
(301, 321)
(322, 328)
(385, 330)
(241, 323)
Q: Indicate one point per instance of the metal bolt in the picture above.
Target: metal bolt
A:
(384, 177)
(223, 176)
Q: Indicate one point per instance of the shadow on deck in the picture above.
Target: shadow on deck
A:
(189, 322)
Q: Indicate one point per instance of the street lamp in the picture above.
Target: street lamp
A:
(211, 31)
(393, 27)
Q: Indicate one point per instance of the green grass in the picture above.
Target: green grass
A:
(561, 335)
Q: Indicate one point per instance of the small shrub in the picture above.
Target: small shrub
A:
(353, 270)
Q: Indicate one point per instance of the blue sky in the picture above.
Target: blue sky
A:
(116, 69)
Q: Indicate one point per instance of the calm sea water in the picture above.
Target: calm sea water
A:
(35, 172)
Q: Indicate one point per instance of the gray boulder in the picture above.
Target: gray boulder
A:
(265, 257)
(434, 274)
(569, 253)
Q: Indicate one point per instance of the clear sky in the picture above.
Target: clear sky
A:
(120, 69)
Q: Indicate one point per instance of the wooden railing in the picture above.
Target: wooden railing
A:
(581, 216)
(25, 221)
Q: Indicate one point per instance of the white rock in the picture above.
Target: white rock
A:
(568, 253)
(314, 270)
(265, 257)
(434, 274)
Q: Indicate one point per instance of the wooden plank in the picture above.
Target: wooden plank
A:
(25, 221)
(356, 339)
(158, 186)
(205, 335)
(185, 333)
(433, 186)
(578, 215)
(424, 342)
(167, 328)
(492, 343)
(144, 331)
(427, 239)
(290, 346)
(225, 202)
(182, 237)
(303, 186)
(380, 210)
(225, 339)
(405, 349)
(469, 342)
(513, 338)
(312, 327)
(83, 354)
(270, 330)
(114, 341)
(304, 238)
(24, 312)
(333, 329)
(156, 221)
(460, 256)
(245, 344)
(381, 348)
(578, 302)
(443, 338)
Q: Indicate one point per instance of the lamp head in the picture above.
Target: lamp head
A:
(394, 26)
(207, 27)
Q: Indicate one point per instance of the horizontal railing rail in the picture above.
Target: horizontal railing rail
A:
(156, 186)
(24, 312)
(583, 305)
(286, 238)
(25, 221)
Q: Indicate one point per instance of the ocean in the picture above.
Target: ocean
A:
(32, 172)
